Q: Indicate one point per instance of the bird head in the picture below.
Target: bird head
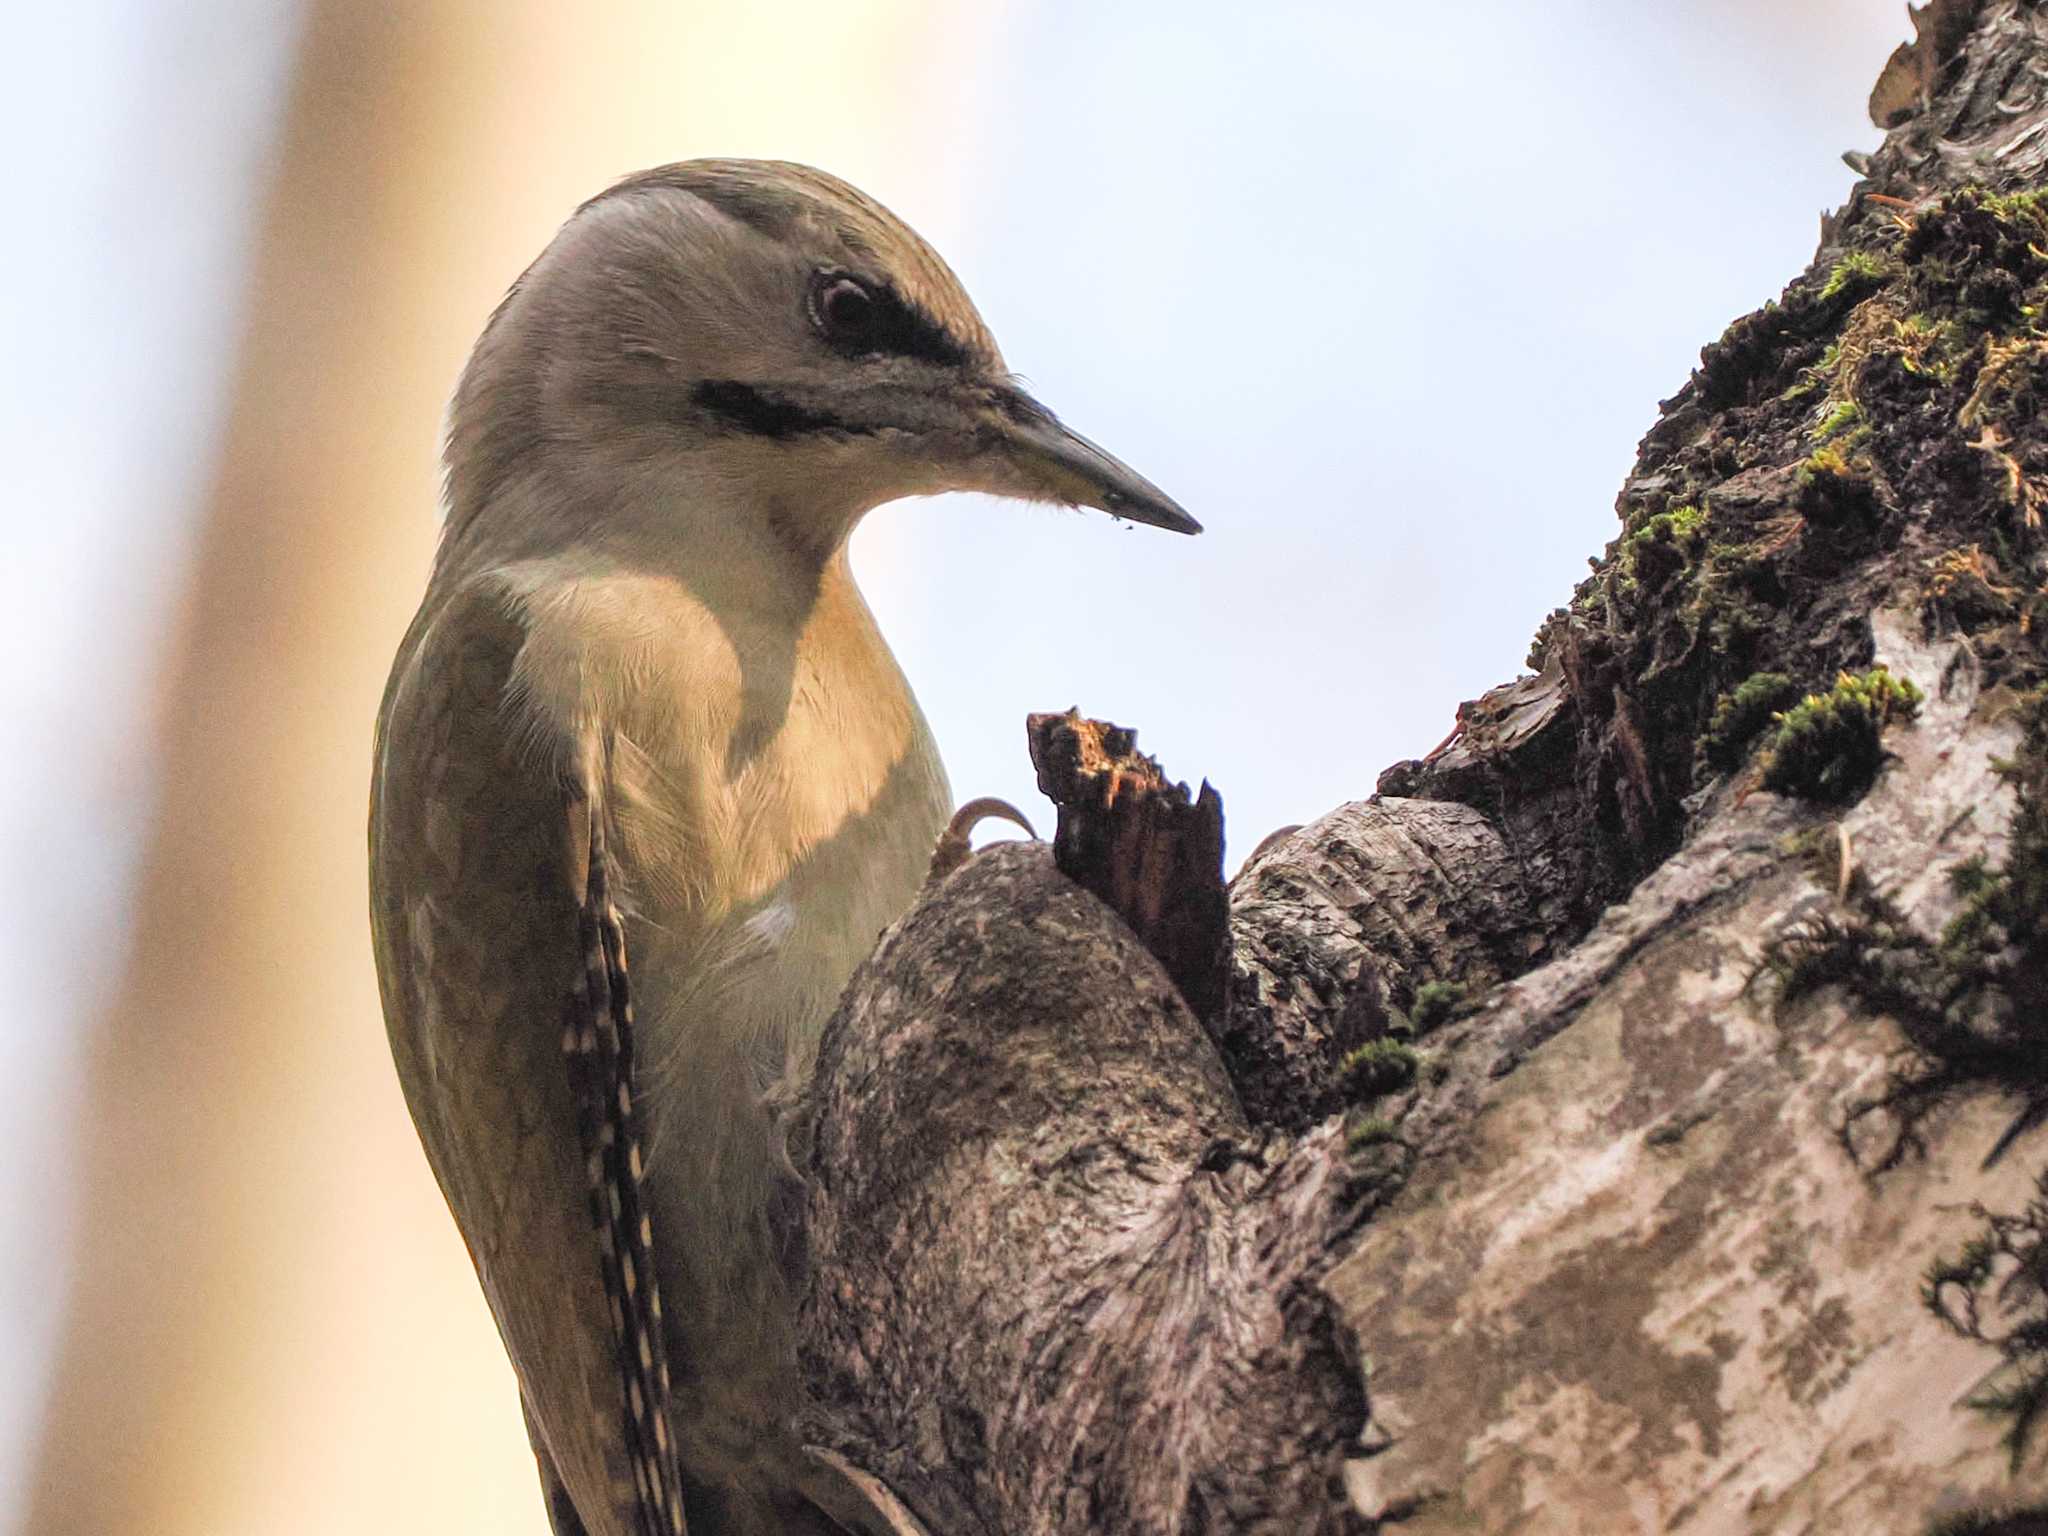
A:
(761, 325)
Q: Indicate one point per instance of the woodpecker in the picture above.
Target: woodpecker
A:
(648, 784)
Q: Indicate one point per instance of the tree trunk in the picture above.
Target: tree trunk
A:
(1566, 1143)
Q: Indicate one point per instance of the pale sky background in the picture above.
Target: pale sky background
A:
(1384, 294)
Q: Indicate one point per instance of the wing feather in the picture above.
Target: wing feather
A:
(496, 947)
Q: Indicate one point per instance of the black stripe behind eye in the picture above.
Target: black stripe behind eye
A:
(883, 323)
(747, 409)
(908, 331)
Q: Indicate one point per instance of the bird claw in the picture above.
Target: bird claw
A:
(956, 843)
(854, 1497)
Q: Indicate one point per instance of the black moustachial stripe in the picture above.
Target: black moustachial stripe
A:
(747, 409)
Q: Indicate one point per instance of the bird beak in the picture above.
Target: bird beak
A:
(1058, 464)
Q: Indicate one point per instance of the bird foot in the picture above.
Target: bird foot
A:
(956, 842)
(857, 1499)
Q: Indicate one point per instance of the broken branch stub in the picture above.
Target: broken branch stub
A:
(1141, 845)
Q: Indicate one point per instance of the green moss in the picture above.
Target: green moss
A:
(1923, 344)
(1839, 418)
(1930, 347)
(1826, 463)
(1436, 1002)
(2018, 207)
(1741, 713)
(1836, 494)
(1378, 1067)
(1735, 600)
(1660, 546)
(1680, 525)
(1819, 376)
(1978, 255)
(1858, 269)
(1372, 1131)
(1732, 557)
(1828, 746)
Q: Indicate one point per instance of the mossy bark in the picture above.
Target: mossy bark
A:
(1609, 1251)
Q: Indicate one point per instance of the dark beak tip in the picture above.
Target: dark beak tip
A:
(1154, 514)
(1074, 471)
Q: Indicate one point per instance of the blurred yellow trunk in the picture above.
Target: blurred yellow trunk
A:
(273, 1327)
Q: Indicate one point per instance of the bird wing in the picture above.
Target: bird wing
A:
(503, 969)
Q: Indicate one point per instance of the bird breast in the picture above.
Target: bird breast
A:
(774, 790)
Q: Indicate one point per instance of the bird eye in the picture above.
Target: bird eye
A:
(868, 319)
(846, 313)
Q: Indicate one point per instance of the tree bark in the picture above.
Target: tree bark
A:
(1566, 1142)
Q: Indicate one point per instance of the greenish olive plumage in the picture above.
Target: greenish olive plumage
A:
(645, 735)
